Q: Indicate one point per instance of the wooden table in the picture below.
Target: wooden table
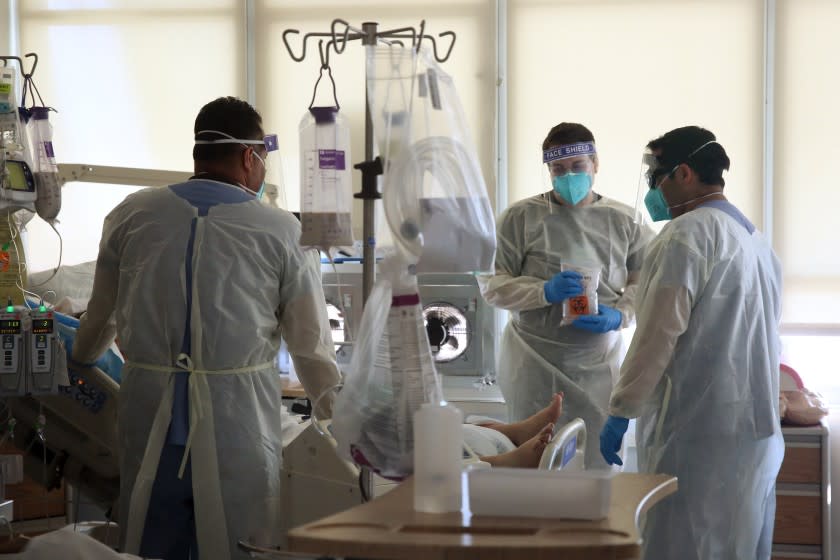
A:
(292, 390)
(388, 527)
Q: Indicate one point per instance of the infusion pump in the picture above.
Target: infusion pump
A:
(33, 360)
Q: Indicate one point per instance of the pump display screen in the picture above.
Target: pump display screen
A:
(42, 326)
(20, 178)
(9, 326)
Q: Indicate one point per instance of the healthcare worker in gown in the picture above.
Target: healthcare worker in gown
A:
(702, 371)
(575, 226)
(200, 280)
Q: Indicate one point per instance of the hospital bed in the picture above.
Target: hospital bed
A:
(80, 448)
(77, 441)
(80, 440)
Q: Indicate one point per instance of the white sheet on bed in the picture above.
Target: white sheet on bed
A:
(73, 281)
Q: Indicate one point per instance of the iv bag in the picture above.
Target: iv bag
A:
(326, 194)
(47, 181)
(392, 374)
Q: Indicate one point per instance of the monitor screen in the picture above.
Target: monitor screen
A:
(9, 326)
(42, 326)
(19, 178)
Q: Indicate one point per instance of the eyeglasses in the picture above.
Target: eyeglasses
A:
(559, 167)
(655, 175)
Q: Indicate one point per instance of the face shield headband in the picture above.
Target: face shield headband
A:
(269, 141)
(569, 150)
(570, 169)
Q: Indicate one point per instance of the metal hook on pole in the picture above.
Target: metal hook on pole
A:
(289, 47)
(445, 57)
(420, 37)
(347, 28)
(315, 88)
(34, 65)
(6, 59)
(325, 57)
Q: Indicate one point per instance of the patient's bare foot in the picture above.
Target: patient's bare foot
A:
(527, 455)
(521, 432)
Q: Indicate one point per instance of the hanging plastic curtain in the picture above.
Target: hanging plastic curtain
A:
(391, 376)
(434, 196)
(326, 190)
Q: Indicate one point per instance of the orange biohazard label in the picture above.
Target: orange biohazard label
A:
(5, 261)
(579, 305)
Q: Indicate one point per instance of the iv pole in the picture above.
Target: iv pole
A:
(371, 167)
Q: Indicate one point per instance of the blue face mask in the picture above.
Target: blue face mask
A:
(656, 205)
(261, 190)
(572, 187)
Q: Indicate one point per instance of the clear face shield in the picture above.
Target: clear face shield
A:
(649, 193)
(274, 190)
(649, 199)
(571, 170)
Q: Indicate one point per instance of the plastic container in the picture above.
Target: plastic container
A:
(47, 183)
(535, 493)
(391, 376)
(438, 445)
(587, 302)
(326, 190)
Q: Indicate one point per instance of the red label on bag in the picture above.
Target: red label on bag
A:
(579, 305)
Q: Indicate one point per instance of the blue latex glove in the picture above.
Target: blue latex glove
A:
(109, 362)
(562, 286)
(607, 319)
(611, 436)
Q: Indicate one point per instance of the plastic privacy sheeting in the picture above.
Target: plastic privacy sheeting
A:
(391, 375)
(434, 196)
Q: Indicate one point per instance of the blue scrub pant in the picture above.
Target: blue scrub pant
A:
(169, 532)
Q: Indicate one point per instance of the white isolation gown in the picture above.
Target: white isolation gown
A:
(702, 375)
(202, 281)
(538, 357)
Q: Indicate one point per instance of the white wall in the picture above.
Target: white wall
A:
(9, 41)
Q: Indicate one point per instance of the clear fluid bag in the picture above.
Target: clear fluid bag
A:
(47, 181)
(326, 177)
(391, 375)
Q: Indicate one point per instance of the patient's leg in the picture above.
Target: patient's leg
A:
(521, 432)
(526, 455)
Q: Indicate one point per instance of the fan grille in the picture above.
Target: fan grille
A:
(448, 330)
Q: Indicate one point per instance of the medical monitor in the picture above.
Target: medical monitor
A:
(18, 177)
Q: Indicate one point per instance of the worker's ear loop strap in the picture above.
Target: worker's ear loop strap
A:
(208, 504)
